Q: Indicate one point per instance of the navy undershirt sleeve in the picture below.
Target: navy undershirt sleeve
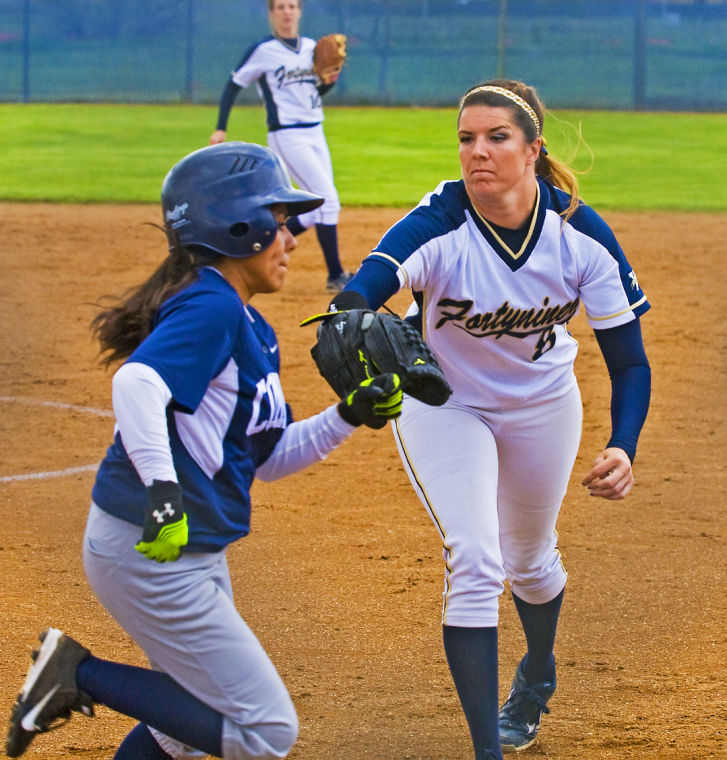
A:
(628, 367)
(228, 98)
(375, 281)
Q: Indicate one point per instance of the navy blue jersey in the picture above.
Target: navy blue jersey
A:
(221, 362)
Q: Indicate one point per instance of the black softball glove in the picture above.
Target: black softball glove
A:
(357, 344)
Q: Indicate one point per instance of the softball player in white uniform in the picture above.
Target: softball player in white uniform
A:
(498, 263)
(281, 67)
(200, 412)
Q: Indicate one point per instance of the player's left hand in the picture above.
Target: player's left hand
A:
(165, 523)
(611, 476)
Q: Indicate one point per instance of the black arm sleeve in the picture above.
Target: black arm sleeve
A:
(324, 88)
(623, 350)
(228, 98)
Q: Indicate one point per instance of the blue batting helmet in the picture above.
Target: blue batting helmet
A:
(218, 199)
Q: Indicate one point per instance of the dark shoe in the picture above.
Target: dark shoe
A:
(520, 715)
(336, 284)
(49, 692)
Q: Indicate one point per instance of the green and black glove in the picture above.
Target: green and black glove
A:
(165, 523)
(374, 402)
(357, 344)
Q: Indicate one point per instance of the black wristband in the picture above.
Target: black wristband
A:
(347, 414)
(161, 491)
(164, 507)
(348, 299)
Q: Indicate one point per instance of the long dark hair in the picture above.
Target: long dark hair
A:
(547, 166)
(122, 326)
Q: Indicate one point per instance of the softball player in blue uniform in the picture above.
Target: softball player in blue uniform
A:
(200, 412)
(281, 66)
(498, 263)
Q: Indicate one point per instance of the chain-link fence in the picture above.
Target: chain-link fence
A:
(610, 54)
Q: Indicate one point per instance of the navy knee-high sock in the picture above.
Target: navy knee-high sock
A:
(139, 744)
(155, 699)
(472, 657)
(294, 226)
(328, 240)
(539, 622)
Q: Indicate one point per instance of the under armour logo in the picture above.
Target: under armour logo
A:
(166, 512)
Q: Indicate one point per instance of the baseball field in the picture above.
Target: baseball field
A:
(341, 576)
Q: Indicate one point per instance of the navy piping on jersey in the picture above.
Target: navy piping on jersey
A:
(271, 110)
(622, 347)
(446, 212)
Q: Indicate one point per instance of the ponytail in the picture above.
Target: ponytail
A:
(121, 327)
(558, 173)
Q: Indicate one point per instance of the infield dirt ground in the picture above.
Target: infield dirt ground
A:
(341, 577)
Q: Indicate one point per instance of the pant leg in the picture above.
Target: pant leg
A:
(306, 155)
(450, 455)
(537, 447)
(183, 616)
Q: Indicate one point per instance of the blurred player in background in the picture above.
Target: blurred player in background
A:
(281, 66)
(498, 263)
(200, 412)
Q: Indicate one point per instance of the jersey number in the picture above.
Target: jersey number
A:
(546, 341)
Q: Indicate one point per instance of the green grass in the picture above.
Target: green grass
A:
(381, 156)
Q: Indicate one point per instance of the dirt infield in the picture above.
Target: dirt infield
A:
(341, 577)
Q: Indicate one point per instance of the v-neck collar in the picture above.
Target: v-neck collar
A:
(292, 43)
(513, 259)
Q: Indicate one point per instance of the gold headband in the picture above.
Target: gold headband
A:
(510, 95)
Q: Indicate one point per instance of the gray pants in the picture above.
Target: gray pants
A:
(183, 616)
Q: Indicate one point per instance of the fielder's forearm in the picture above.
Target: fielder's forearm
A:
(226, 101)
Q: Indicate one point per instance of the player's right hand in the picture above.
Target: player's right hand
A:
(218, 136)
(376, 401)
(165, 523)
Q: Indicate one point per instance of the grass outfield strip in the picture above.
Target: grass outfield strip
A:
(381, 156)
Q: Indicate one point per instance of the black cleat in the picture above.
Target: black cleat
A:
(520, 715)
(49, 693)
